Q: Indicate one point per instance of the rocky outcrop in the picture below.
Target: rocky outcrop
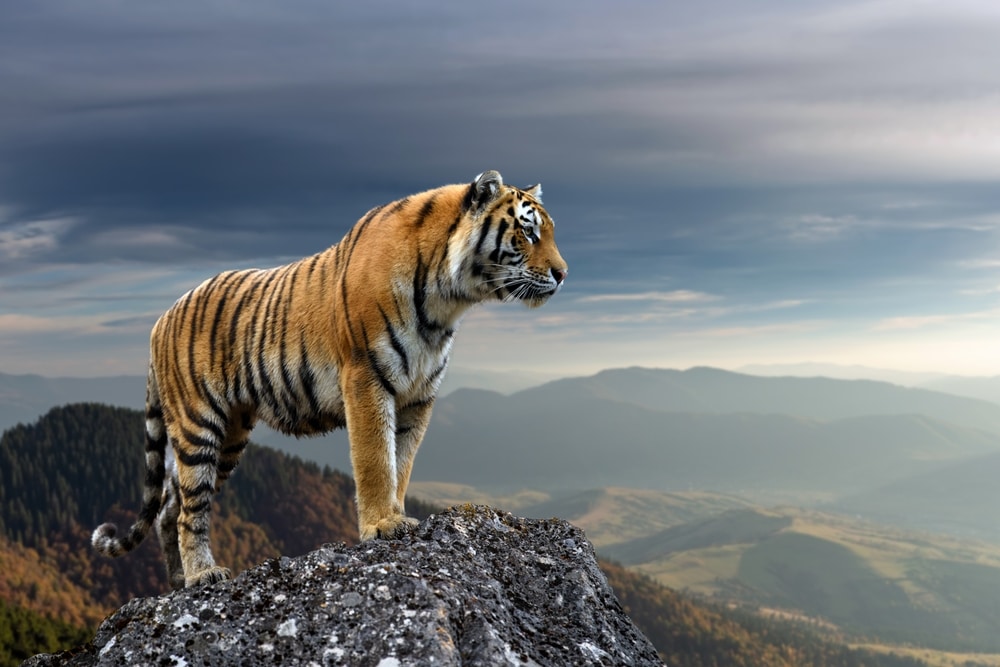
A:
(470, 586)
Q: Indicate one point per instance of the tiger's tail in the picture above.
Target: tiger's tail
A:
(104, 539)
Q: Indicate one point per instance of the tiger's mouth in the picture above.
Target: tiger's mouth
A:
(529, 292)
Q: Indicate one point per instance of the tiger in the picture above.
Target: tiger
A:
(357, 336)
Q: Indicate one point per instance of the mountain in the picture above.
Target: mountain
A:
(984, 388)
(681, 430)
(842, 372)
(958, 499)
(543, 441)
(81, 464)
(24, 398)
(714, 391)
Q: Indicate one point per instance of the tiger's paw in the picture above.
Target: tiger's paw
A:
(391, 528)
(211, 575)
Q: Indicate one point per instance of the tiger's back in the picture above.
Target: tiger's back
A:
(358, 335)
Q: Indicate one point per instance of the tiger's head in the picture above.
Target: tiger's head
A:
(515, 253)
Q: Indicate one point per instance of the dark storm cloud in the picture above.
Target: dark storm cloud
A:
(673, 139)
(231, 129)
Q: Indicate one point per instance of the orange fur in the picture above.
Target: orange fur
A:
(357, 336)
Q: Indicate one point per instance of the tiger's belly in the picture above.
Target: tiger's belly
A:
(306, 402)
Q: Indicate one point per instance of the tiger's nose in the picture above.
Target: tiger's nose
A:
(559, 275)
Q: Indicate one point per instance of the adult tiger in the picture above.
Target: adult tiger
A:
(357, 336)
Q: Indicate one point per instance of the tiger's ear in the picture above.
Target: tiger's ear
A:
(535, 191)
(485, 188)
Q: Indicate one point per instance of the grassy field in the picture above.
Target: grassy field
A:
(877, 583)
(869, 580)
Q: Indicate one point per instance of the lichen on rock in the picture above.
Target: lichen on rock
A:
(469, 586)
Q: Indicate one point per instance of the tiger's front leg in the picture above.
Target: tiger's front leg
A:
(411, 424)
(371, 428)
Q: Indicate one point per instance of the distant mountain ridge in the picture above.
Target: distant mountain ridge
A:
(670, 430)
(711, 390)
(550, 441)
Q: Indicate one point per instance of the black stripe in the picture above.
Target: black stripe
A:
(376, 366)
(469, 197)
(398, 206)
(425, 211)
(307, 379)
(200, 421)
(501, 229)
(352, 239)
(380, 374)
(156, 444)
(424, 324)
(200, 530)
(396, 344)
(258, 292)
(437, 371)
(191, 492)
(154, 477)
(289, 397)
(265, 388)
(147, 515)
(198, 441)
(220, 308)
(208, 396)
(226, 468)
(424, 402)
(234, 449)
(197, 322)
(312, 265)
(197, 508)
(199, 459)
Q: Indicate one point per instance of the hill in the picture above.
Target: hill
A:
(865, 579)
(81, 464)
(615, 514)
(984, 388)
(959, 499)
(66, 472)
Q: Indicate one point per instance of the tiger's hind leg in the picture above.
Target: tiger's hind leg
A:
(237, 437)
(197, 449)
(166, 528)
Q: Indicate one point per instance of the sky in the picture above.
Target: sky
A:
(733, 182)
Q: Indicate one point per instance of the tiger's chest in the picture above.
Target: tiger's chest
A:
(412, 362)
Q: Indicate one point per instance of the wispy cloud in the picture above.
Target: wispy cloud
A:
(676, 296)
(20, 240)
(939, 320)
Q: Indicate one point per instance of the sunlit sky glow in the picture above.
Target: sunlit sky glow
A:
(733, 182)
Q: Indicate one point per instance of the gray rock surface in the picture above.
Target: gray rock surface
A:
(470, 586)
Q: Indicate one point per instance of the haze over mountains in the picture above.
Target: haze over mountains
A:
(787, 439)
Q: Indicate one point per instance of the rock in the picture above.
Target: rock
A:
(470, 586)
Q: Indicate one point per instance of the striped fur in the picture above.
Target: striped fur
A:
(358, 335)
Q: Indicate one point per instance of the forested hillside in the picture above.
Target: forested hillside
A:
(82, 464)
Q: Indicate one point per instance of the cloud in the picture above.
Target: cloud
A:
(22, 240)
(15, 323)
(939, 320)
(676, 296)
